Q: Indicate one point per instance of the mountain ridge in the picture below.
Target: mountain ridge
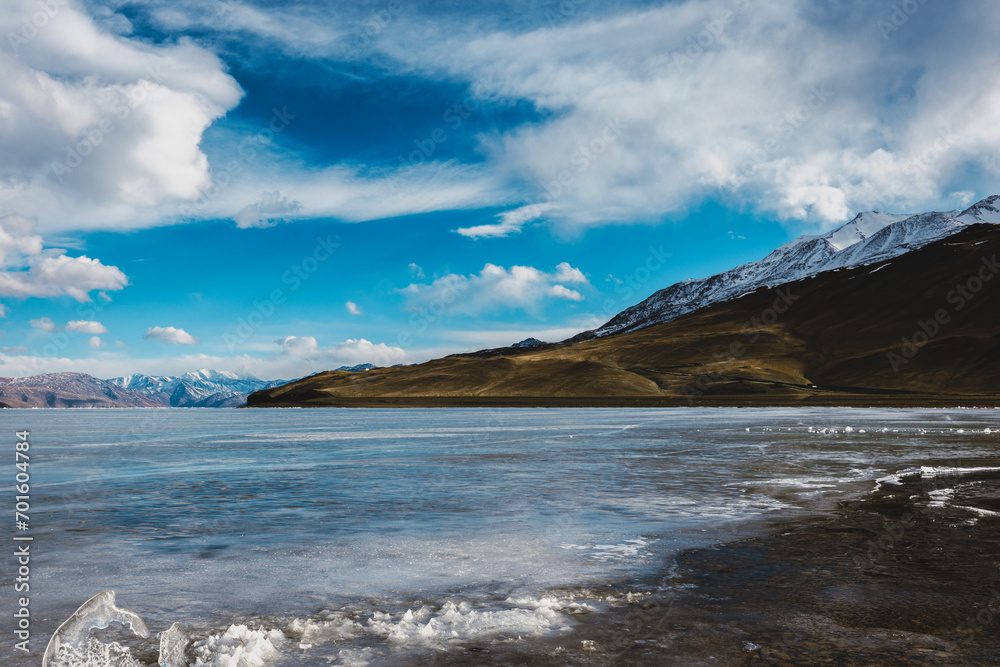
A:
(918, 329)
(869, 237)
(68, 390)
(203, 388)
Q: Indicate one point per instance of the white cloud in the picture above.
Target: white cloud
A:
(28, 269)
(346, 353)
(495, 288)
(561, 292)
(353, 308)
(43, 324)
(804, 111)
(416, 271)
(638, 121)
(299, 345)
(511, 222)
(100, 129)
(269, 210)
(360, 351)
(170, 335)
(87, 327)
(3, 310)
(94, 342)
(292, 357)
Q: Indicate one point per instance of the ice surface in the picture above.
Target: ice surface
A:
(73, 646)
(491, 510)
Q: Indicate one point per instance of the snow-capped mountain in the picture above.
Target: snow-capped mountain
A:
(360, 368)
(68, 390)
(870, 237)
(200, 389)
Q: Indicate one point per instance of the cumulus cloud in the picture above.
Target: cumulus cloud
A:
(98, 126)
(43, 324)
(353, 308)
(87, 327)
(416, 271)
(495, 288)
(94, 342)
(355, 351)
(299, 345)
(28, 269)
(170, 335)
(345, 353)
(268, 211)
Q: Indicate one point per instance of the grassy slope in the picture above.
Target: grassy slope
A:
(829, 346)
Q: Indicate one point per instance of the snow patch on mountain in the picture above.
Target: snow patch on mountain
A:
(870, 237)
(203, 388)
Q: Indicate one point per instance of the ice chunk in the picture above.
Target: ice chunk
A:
(173, 643)
(317, 632)
(239, 646)
(72, 643)
(455, 623)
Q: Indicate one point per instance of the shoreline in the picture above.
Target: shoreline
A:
(908, 574)
(818, 401)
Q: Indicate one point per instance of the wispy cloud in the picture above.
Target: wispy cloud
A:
(511, 222)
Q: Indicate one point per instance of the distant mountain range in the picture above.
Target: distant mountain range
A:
(200, 389)
(872, 284)
(68, 390)
(885, 310)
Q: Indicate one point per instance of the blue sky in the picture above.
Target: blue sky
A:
(284, 189)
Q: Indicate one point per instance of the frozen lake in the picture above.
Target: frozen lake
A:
(319, 529)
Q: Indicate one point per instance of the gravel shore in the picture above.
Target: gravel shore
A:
(909, 575)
